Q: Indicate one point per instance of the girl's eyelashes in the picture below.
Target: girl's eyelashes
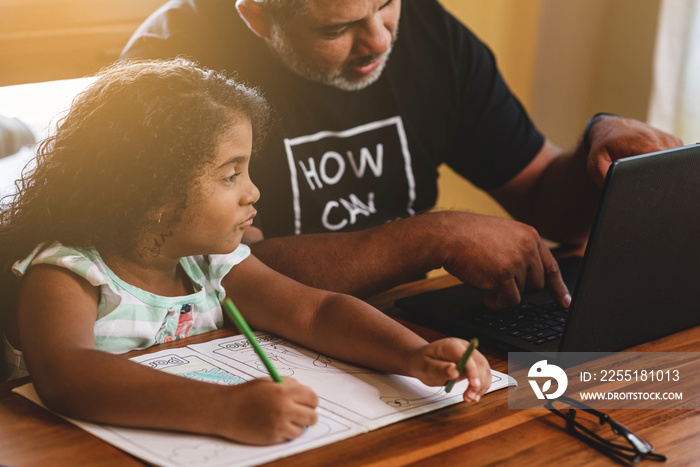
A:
(232, 178)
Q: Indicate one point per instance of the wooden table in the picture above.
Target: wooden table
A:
(487, 433)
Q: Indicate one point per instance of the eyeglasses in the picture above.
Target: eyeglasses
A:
(637, 450)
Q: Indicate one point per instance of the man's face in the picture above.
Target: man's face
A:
(342, 43)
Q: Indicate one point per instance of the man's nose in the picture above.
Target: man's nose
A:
(374, 38)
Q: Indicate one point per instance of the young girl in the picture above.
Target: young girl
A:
(127, 234)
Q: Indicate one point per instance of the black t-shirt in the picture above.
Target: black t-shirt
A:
(344, 160)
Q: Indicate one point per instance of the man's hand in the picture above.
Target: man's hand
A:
(502, 257)
(612, 138)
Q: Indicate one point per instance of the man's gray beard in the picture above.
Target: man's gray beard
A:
(278, 45)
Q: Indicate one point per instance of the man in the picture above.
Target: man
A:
(371, 96)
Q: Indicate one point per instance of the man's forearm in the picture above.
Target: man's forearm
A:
(360, 263)
(499, 256)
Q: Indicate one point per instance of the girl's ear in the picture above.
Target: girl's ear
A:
(252, 14)
(156, 215)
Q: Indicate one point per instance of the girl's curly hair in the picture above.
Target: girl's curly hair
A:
(137, 137)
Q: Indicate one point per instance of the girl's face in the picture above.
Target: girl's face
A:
(220, 206)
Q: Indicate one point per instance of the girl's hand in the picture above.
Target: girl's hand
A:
(265, 412)
(436, 363)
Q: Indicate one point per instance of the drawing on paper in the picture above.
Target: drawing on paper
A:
(349, 404)
(383, 395)
(189, 451)
(194, 367)
(286, 356)
(194, 454)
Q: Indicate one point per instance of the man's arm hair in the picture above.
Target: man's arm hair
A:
(500, 256)
(360, 263)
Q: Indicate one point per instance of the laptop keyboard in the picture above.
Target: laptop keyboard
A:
(537, 324)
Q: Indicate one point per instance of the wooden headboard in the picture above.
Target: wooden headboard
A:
(42, 40)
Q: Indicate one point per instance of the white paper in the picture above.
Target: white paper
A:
(352, 400)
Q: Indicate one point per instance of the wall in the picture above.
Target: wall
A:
(565, 60)
(43, 40)
(593, 56)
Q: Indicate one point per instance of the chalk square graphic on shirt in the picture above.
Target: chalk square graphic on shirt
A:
(339, 178)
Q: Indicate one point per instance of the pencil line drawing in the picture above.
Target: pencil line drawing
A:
(287, 357)
(194, 367)
(366, 396)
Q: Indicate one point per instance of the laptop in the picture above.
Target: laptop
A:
(638, 280)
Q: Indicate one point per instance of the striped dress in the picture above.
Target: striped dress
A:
(129, 318)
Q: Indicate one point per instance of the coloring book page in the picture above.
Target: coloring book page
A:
(352, 400)
(370, 398)
(173, 449)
